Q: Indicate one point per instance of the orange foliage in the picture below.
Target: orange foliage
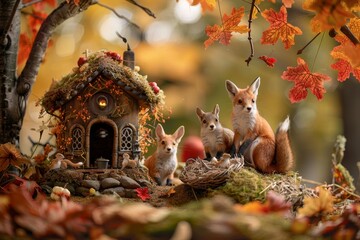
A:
(304, 79)
(279, 28)
(329, 13)
(347, 54)
(229, 25)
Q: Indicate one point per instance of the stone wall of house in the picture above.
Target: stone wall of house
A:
(79, 182)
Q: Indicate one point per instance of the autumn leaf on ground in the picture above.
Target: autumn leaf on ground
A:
(315, 206)
(168, 194)
(275, 203)
(230, 24)
(329, 14)
(268, 60)
(206, 5)
(304, 79)
(143, 193)
(279, 28)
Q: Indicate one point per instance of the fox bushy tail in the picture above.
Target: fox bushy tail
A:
(284, 157)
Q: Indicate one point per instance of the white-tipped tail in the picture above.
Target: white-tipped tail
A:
(285, 125)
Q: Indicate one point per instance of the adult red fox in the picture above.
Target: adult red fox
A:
(215, 138)
(162, 164)
(267, 152)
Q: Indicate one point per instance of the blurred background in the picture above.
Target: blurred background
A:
(170, 50)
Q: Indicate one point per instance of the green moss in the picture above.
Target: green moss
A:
(249, 185)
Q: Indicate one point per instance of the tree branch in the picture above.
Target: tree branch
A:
(148, 11)
(58, 16)
(118, 15)
(8, 24)
(249, 34)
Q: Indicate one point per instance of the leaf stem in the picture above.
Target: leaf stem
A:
(249, 34)
(302, 49)
(317, 52)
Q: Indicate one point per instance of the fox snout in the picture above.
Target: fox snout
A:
(167, 147)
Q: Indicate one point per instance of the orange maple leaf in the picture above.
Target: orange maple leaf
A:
(304, 79)
(344, 69)
(230, 24)
(206, 5)
(329, 13)
(279, 28)
(288, 3)
(347, 53)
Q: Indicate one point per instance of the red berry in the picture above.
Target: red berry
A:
(81, 61)
(156, 89)
(152, 84)
(114, 55)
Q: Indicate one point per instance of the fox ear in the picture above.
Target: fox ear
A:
(254, 87)
(159, 131)
(200, 113)
(216, 110)
(179, 133)
(231, 88)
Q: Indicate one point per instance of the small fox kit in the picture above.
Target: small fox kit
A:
(267, 152)
(162, 164)
(216, 139)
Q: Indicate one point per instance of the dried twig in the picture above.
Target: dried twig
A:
(24, 5)
(249, 34)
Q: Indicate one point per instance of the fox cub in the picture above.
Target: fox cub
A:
(162, 164)
(267, 152)
(215, 138)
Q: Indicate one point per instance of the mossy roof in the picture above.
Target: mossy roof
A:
(98, 65)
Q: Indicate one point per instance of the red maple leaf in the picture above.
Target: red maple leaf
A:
(304, 79)
(344, 69)
(279, 28)
(143, 193)
(230, 24)
(268, 60)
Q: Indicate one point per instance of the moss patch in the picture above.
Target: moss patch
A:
(249, 185)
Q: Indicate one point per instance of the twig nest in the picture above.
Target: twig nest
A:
(202, 174)
(59, 192)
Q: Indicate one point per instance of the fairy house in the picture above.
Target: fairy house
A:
(97, 107)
